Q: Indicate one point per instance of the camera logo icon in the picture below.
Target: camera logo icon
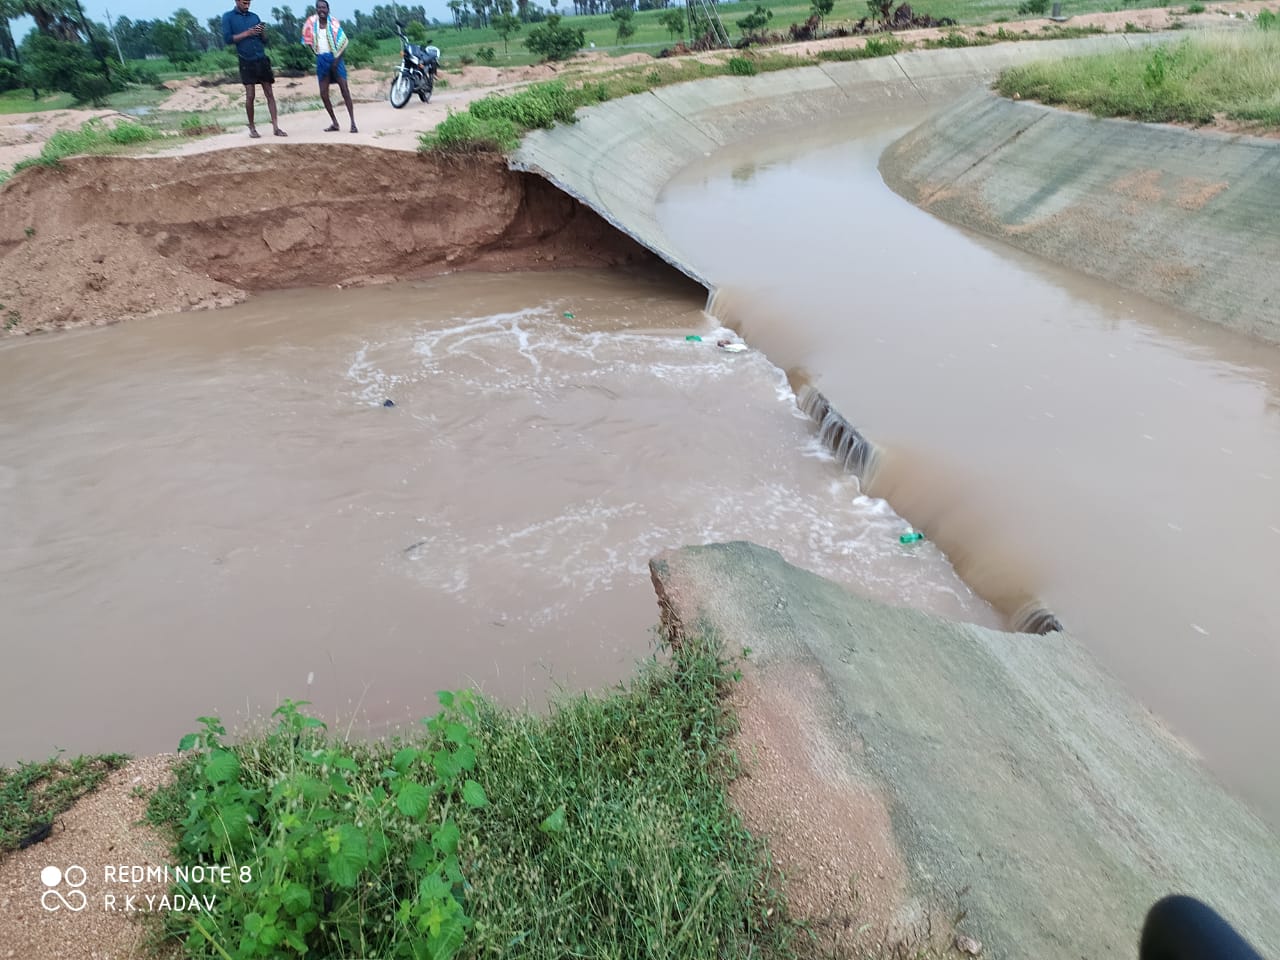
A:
(53, 878)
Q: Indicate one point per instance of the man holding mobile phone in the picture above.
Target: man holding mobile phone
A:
(246, 31)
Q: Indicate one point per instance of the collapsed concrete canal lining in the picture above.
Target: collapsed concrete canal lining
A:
(1013, 768)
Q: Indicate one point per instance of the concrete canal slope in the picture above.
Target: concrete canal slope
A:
(1011, 766)
(1188, 218)
(620, 154)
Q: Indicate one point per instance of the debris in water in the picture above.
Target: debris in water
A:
(968, 945)
(730, 346)
(911, 536)
(693, 336)
(568, 315)
(388, 403)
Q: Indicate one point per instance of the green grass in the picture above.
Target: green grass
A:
(94, 136)
(600, 829)
(33, 794)
(1236, 75)
(21, 101)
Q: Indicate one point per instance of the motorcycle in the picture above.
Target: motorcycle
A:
(417, 73)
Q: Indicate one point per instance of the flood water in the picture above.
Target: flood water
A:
(1056, 435)
(206, 513)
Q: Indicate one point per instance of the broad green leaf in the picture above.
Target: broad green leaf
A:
(457, 732)
(420, 856)
(404, 759)
(466, 758)
(350, 858)
(473, 794)
(187, 742)
(296, 899)
(446, 765)
(339, 784)
(555, 823)
(446, 837)
(445, 697)
(413, 800)
(222, 767)
(433, 887)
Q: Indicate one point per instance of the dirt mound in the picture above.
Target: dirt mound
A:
(100, 239)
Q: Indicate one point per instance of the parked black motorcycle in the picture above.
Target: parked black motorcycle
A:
(417, 72)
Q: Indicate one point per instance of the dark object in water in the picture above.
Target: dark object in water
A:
(388, 403)
(41, 832)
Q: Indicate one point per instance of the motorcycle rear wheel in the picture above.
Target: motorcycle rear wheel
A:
(401, 90)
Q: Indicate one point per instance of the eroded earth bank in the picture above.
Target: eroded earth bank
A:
(96, 240)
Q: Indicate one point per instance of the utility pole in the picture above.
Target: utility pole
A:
(112, 27)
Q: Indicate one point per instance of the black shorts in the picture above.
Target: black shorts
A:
(256, 71)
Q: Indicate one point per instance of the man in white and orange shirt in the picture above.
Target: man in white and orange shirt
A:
(326, 38)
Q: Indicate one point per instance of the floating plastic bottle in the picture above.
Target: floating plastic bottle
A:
(911, 536)
(693, 336)
(568, 315)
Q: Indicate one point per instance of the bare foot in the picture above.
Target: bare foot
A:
(331, 127)
(353, 128)
(280, 133)
(253, 132)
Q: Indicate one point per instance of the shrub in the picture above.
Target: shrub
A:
(553, 41)
(741, 67)
(1268, 20)
(1196, 8)
(1033, 7)
(361, 50)
(464, 133)
(486, 54)
(10, 75)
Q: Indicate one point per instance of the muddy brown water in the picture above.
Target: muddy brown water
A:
(1065, 437)
(205, 513)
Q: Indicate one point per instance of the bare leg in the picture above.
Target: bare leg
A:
(328, 105)
(271, 107)
(346, 98)
(249, 92)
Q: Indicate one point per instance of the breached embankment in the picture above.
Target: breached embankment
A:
(100, 239)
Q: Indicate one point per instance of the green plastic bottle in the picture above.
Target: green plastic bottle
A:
(914, 536)
(693, 336)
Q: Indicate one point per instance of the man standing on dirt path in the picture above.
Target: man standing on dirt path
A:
(246, 31)
(327, 40)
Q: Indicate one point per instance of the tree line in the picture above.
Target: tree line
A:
(67, 51)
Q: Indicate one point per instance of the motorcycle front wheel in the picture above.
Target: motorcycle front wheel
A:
(401, 90)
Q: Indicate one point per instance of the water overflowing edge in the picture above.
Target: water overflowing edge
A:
(860, 456)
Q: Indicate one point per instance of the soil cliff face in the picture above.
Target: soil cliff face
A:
(100, 239)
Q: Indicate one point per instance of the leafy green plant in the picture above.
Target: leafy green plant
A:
(1196, 8)
(337, 848)
(754, 23)
(554, 41)
(822, 9)
(741, 67)
(1033, 7)
(1268, 20)
(673, 20)
(486, 54)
